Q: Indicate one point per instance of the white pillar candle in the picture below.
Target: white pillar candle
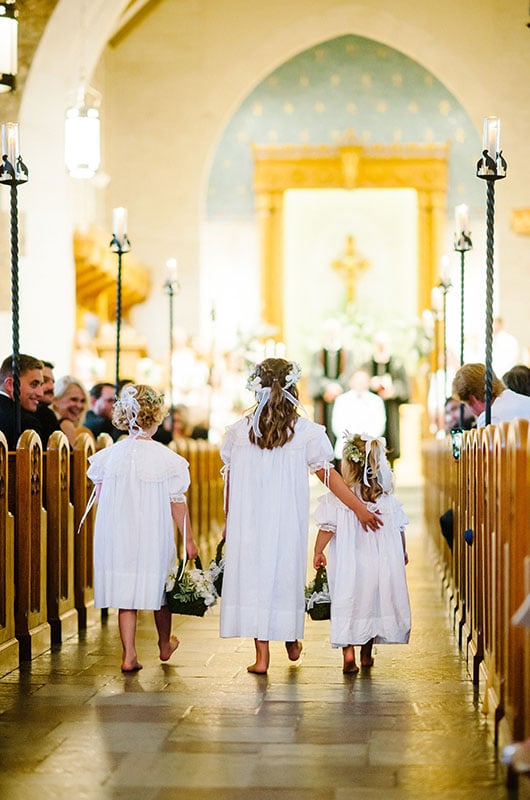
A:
(280, 350)
(119, 223)
(172, 271)
(462, 221)
(492, 136)
(436, 299)
(10, 147)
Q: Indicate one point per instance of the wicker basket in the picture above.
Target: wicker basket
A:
(192, 606)
(322, 608)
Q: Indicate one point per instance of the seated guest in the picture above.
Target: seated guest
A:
(48, 420)
(30, 372)
(468, 386)
(518, 379)
(70, 403)
(99, 416)
(452, 416)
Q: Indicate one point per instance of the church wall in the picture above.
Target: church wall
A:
(172, 84)
(204, 58)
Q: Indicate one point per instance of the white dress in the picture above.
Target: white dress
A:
(366, 573)
(134, 540)
(267, 531)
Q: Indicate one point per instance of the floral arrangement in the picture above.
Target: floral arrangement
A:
(254, 383)
(193, 593)
(294, 375)
(351, 450)
(153, 398)
(217, 567)
(317, 597)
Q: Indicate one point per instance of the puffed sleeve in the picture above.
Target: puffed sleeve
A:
(227, 445)
(179, 483)
(319, 450)
(325, 514)
(96, 468)
(401, 517)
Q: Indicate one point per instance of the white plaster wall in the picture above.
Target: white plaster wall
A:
(175, 81)
(171, 85)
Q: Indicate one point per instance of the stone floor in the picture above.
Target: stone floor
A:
(72, 726)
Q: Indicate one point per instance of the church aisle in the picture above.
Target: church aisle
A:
(72, 726)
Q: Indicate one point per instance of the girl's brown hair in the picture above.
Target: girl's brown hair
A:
(279, 414)
(151, 412)
(352, 468)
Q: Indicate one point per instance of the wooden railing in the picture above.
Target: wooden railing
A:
(486, 573)
(46, 563)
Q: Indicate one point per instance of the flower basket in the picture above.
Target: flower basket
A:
(193, 593)
(317, 598)
(217, 567)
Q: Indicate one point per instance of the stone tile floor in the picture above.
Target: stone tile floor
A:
(72, 726)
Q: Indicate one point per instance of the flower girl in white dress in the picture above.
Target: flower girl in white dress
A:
(140, 487)
(366, 571)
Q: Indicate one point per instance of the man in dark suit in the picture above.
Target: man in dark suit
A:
(99, 417)
(49, 422)
(30, 372)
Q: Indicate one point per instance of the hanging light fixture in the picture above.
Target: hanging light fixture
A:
(82, 133)
(8, 46)
(82, 127)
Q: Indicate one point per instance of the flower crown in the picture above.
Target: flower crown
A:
(293, 376)
(153, 398)
(351, 450)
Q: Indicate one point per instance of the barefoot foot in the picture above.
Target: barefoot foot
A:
(294, 650)
(167, 650)
(349, 667)
(132, 667)
(366, 654)
(257, 669)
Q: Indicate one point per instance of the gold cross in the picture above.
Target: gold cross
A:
(349, 265)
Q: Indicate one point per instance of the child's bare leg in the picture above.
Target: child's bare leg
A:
(366, 654)
(349, 667)
(127, 626)
(167, 644)
(261, 664)
(294, 649)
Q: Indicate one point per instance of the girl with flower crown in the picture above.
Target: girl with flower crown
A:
(140, 487)
(366, 572)
(267, 455)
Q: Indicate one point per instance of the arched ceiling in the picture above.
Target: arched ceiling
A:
(33, 16)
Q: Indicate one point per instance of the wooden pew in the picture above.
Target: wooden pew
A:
(31, 624)
(492, 575)
(8, 642)
(81, 489)
(62, 613)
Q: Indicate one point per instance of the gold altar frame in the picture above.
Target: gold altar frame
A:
(423, 167)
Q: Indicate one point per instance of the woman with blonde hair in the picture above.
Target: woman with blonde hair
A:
(70, 403)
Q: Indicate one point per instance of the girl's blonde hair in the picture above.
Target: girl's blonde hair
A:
(139, 405)
(352, 467)
(279, 415)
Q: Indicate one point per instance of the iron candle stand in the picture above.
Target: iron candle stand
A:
(490, 169)
(13, 173)
(444, 286)
(462, 245)
(172, 287)
(119, 245)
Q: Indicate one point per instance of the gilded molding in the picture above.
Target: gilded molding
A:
(520, 221)
(350, 165)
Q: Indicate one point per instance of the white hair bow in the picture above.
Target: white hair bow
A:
(384, 473)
